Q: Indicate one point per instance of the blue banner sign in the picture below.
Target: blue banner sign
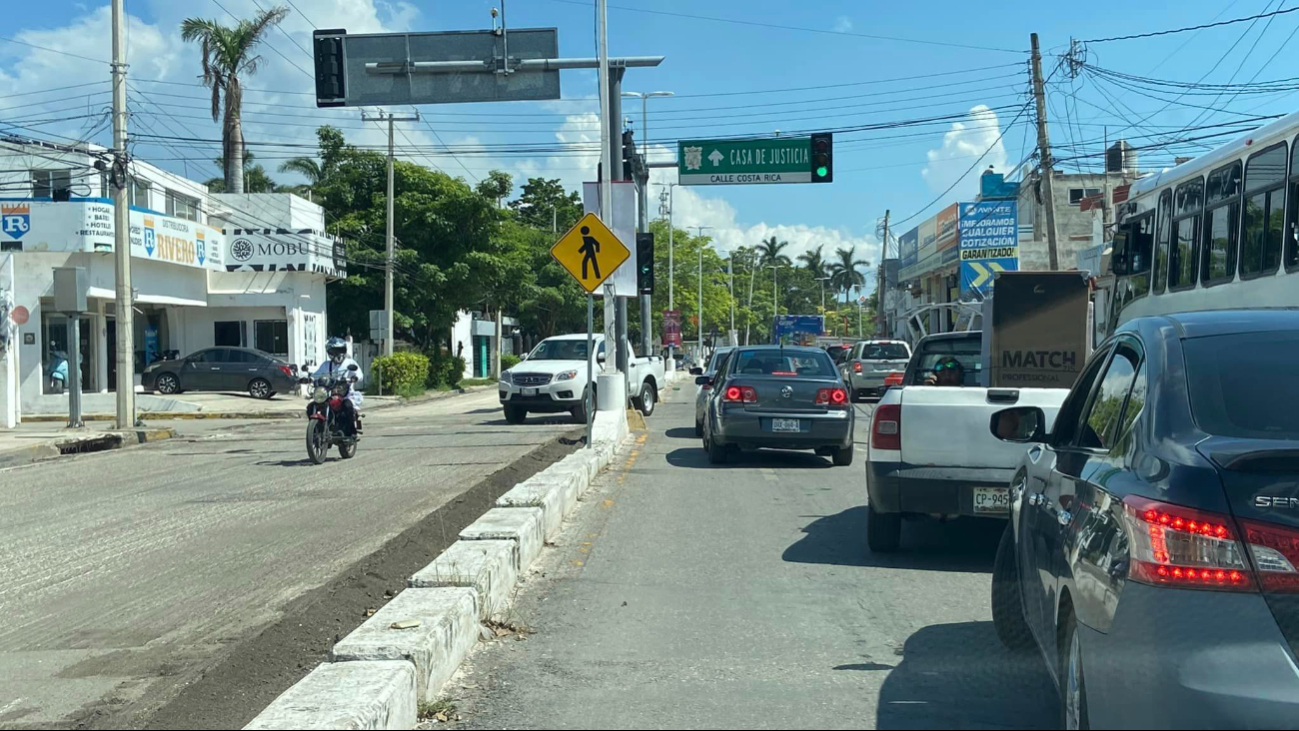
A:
(989, 243)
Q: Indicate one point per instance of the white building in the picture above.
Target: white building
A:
(207, 270)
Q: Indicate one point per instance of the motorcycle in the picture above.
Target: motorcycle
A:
(325, 417)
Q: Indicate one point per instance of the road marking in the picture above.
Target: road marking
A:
(770, 474)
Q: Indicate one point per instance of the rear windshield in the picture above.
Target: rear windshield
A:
(1243, 385)
(966, 351)
(884, 351)
(775, 363)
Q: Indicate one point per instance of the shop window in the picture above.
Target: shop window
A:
(52, 184)
(138, 192)
(272, 336)
(182, 206)
(230, 333)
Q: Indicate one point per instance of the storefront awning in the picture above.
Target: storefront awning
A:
(147, 299)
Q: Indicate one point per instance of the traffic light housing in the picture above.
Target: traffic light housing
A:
(628, 155)
(823, 157)
(330, 85)
(645, 263)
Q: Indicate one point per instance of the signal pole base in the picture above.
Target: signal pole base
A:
(611, 392)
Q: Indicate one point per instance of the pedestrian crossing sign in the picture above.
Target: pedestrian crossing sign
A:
(590, 252)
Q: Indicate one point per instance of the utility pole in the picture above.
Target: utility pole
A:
(124, 311)
(753, 271)
(389, 267)
(1044, 151)
(699, 232)
(730, 272)
(667, 197)
(880, 319)
(642, 189)
(606, 165)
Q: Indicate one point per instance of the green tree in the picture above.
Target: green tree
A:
(228, 55)
(256, 179)
(769, 253)
(845, 270)
(497, 186)
(544, 205)
(814, 261)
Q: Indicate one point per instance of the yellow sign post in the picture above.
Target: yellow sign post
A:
(590, 252)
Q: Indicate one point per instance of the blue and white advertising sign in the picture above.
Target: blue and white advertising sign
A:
(989, 243)
(909, 247)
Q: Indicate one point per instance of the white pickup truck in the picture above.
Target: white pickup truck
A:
(552, 379)
(930, 451)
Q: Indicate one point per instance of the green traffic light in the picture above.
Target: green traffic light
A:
(822, 171)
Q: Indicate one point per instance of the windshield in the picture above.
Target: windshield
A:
(559, 350)
(1240, 386)
(884, 351)
(775, 363)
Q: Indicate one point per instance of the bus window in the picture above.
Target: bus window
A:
(1184, 250)
(1292, 225)
(1161, 241)
(1260, 248)
(1140, 241)
(1221, 225)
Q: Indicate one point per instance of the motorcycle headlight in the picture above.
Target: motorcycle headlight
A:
(566, 376)
(320, 396)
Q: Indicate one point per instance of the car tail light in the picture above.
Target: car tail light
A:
(832, 397)
(1183, 547)
(287, 371)
(893, 379)
(1275, 549)
(856, 366)
(740, 394)
(783, 373)
(886, 427)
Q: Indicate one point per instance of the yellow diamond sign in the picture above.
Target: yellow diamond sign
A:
(590, 252)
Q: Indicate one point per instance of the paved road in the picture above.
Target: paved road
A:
(742, 596)
(120, 569)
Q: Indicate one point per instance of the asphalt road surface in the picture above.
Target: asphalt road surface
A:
(743, 596)
(124, 571)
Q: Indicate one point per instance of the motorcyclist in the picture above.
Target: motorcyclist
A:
(337, 366)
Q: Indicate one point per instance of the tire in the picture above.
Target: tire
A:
(1073, 686)
(582, 413)
(1007, 604)
(317, 440)
(842, 456)
(515, 414)
(347, 451)
(883, 530)
(167, 383)
(699, 428)
(717, 453)
(260, 388)
(647, 399)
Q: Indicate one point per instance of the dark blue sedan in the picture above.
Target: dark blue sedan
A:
(1153, 550)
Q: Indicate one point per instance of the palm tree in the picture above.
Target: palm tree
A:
(814, 261)
(845, 272)
(227, 55)
(307, 167)
(769, 253)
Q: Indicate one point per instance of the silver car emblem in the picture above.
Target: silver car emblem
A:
(787, 391)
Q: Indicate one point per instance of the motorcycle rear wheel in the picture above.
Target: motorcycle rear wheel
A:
(317, 440)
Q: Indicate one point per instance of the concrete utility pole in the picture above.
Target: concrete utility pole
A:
(124, 312)
(730, 273)
(642, 190)
(753, 271)
(699, 232)
(823, 280)
(389, 266)
(1044, 151)
(667, 195)
(880, 319)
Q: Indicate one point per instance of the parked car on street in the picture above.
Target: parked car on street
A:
(870, 362)
(778, 397)
(701, 397)
(260, 374)
(1153, 550)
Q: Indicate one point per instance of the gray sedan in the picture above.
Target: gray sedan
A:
(781, 398)
(262, 375)
(701, 398)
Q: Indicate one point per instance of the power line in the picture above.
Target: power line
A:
(53, 50)
(777, 26)
(1272, 14)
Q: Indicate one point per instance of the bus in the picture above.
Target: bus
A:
(1213, 233)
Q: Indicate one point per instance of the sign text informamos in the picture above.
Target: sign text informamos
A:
(989, 243)
(745, 162)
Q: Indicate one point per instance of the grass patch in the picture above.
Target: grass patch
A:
(477, 382)
(441, 710)
(410, 390)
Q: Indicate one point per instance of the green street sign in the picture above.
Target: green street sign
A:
(745, 162)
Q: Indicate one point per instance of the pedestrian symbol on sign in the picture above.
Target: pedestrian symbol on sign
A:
(590, 247)
(590, 252)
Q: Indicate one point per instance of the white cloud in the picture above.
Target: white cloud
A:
(962, 146)
(842, 24)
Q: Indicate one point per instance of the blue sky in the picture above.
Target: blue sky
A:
(708, 64)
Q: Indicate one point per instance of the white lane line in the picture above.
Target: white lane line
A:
(770, 474)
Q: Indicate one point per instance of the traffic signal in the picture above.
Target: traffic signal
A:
(628, 155)
(645, 263)
(330, 86)
(823, 157)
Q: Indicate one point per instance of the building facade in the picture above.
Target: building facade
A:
(207, 270)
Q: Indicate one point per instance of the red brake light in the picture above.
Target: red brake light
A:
(733, 393)
(741, 394)
(783, 373)
(287, 371)
(1176, 546)
(856, 366)
(893, 379)
(886, 427)
(836, 397)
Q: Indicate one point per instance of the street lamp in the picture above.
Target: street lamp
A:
(666, 200)
(644, 111)
(699, 231)
(775, 303)
(823, 280)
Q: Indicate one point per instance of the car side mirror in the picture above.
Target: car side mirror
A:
(703, 380)
(523, 357)
(1019, 425)
(696, 371)
(601, 357)
(354, 367)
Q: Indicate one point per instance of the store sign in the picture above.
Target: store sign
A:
(672, 328)
(947, 222)
(908, 247)
(89, 226)
(989, 243)
(283, 250)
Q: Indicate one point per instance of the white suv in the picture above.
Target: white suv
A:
(552, 379)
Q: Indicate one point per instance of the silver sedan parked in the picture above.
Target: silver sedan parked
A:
(781, 398)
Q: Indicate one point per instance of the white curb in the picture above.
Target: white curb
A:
(445, 630)
(350, 695)
(488, 567)
(555, 494)
(521, 525)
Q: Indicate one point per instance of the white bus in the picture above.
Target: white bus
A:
(1214, 233)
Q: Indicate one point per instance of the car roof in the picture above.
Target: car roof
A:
(1233, 322)
(785, 348)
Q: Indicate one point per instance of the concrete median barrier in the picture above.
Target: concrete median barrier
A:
(350, 695)
(521, 525)
(490, 568)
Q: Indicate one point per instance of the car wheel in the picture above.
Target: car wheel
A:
(1073, 688)
(647, 399)
(1007, 606)
(717, 453)
(167, 384)
(260, 388)
(883, 530)
(582, 413)
(843, 456)
(515, 415)
(699, 428)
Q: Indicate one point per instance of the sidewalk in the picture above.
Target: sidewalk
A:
(32, 442)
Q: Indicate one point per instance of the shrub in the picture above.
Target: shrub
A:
(456, 372)
(401, 373)
(508, 361)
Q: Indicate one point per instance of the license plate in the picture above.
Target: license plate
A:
(529, 392)
(786, 425)
(992, 500)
